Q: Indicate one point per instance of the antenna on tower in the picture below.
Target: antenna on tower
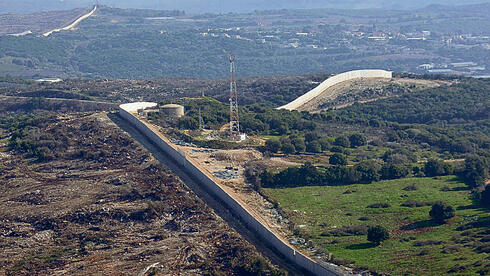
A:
(234, 119)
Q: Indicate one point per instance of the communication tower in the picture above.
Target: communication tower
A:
(234, 119)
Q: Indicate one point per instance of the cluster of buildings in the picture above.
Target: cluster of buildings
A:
(455, 68)
(371, 41)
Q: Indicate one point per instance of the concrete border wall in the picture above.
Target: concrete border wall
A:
(126, 111)
(333, 81)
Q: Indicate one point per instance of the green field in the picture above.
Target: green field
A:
(417, 245)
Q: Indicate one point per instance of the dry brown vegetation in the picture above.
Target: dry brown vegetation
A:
(104, 206)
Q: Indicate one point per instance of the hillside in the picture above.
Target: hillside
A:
(130, 43)
(37, 23)
(81, 197)
(214, 6)
(364, 90)
(418, 146)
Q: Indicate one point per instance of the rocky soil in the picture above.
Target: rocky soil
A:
(97, 203)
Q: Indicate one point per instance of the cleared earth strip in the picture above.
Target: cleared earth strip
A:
(234, 205)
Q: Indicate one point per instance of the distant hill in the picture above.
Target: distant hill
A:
(145, 43)
(217, 6)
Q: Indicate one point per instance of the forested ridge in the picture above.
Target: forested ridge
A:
(468, 101)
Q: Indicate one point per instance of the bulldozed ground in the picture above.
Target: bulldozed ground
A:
(228, 162)
(97, 203)
(231, 170)
(365, 90)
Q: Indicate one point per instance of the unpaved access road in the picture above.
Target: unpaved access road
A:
(218, 206)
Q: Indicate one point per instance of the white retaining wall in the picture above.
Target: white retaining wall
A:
(333, 81)
(236, 207)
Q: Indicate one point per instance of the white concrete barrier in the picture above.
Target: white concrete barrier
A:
(74, 24)
(127, 112)
(333, 81)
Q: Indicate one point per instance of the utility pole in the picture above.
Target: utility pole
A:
(201, 121)
(234, 119)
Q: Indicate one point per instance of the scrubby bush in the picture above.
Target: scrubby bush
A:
(342, 141)
(368, 171)
(351, 230)
(394, 171)
(476, 171)
(299, 144)
(288, 148)
(435, 167)
(485, 196)
(324, 143)
(379, 205)
(411, 188)
(441, 211)
(426, 242)
(273, 145)
(314, 147)
(337, 159)
(357, 140)
(415, 203)
(377, 234)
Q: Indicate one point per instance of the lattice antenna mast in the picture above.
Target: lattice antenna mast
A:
(234, 119)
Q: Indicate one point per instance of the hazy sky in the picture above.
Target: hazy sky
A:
(218, 6)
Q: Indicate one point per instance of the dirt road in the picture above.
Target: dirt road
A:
(211, 201)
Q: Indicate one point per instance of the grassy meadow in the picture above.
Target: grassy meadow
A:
(335, 219)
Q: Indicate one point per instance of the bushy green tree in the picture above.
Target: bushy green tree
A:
(368, 170)
(273, 145)
(441, 211)
(324, 143)
(188, 123)
(342, 141)
(299, 144)
(485, 196)
(394, 171)
(337, 159)
(476, 171)
(314, 147)
(377, 234)
(435, 167)
(357, 140)
(266, 179)
(288, 148)
(311, 136)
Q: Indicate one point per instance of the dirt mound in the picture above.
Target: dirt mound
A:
(236, 155)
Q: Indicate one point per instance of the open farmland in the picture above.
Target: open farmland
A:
(336, 217)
